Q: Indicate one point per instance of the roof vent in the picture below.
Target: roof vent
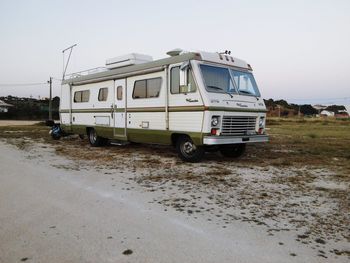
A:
(127, 60)
(174, 52)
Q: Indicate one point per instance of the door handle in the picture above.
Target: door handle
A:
(112, 111)
(191, 100)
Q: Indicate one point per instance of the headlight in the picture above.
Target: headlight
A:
(262, 122)
(214, 121)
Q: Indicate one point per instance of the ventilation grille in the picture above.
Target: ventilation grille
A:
(236, 125)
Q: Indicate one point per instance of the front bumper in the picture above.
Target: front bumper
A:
(217, 140)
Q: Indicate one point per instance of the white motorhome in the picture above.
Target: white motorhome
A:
(196, 101)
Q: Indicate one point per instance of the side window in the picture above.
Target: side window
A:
(77, 96)
(147, 88)
(119, 93)
(175, 80)
(175, 87)
(103, 94)
(85, 95)
(153, 87)
(139, 89)
(190, 82)
(81, 96)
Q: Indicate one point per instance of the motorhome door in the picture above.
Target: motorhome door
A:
(120, 109)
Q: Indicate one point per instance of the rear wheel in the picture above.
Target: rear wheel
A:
(188, 151)
(232, 150)
(95, 140)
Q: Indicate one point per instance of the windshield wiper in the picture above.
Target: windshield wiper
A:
(214, 87)
(246, 92)
(218, 88)
(229, 94)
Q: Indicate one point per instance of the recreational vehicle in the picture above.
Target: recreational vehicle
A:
(195, 101)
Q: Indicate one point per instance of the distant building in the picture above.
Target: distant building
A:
(4, 107)
(347, 107)
(342, 114)
(327, 113)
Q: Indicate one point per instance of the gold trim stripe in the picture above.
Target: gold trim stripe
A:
(162, 109)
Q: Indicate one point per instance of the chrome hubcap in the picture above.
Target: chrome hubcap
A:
(189, 147)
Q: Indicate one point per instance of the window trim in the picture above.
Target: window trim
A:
(218, 66)
(121, 88)
(99, 92)
(188, 73)
(81, 96)
(171, 80)
(237, 88)
(228, 67)
(160, 89)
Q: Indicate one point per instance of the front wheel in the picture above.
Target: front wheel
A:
(188, 151)
(232, 150)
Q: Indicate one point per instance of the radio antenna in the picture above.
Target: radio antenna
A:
(66, 65)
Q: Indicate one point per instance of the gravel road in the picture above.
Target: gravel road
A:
(52, 214)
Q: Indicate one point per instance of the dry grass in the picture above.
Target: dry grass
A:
(293, 142)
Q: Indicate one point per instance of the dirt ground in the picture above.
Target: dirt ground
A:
(297, 185)
(16, 123)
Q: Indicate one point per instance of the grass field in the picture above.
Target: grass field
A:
(293, 142)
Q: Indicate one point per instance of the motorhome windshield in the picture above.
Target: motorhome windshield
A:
(228, 80)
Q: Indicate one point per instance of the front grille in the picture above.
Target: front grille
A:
(238, 125)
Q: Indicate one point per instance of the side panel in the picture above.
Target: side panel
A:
(65, 105)
(145, 115)
(94, 113)
(120, 108)
(190, 121)
(186, 110)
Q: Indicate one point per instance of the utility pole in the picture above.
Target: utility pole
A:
(50, 99)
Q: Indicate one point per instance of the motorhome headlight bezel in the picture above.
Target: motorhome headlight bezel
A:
(215, 120)
(262, 122)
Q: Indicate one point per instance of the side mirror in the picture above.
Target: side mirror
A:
(185, 88)
(183, 73)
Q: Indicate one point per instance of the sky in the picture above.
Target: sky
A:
(299, 50)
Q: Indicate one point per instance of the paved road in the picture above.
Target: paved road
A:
(57, 215)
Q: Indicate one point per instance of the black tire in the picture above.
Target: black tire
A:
(95, 140)
(56, 136)
(233, 150)
(56, 132)
(188, 151)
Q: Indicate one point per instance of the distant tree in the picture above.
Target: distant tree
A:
(335, 108)
(270, 103)
(282, 103)
(307, 109)
(56, 102)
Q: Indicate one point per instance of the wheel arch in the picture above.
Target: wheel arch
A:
(196, 137)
